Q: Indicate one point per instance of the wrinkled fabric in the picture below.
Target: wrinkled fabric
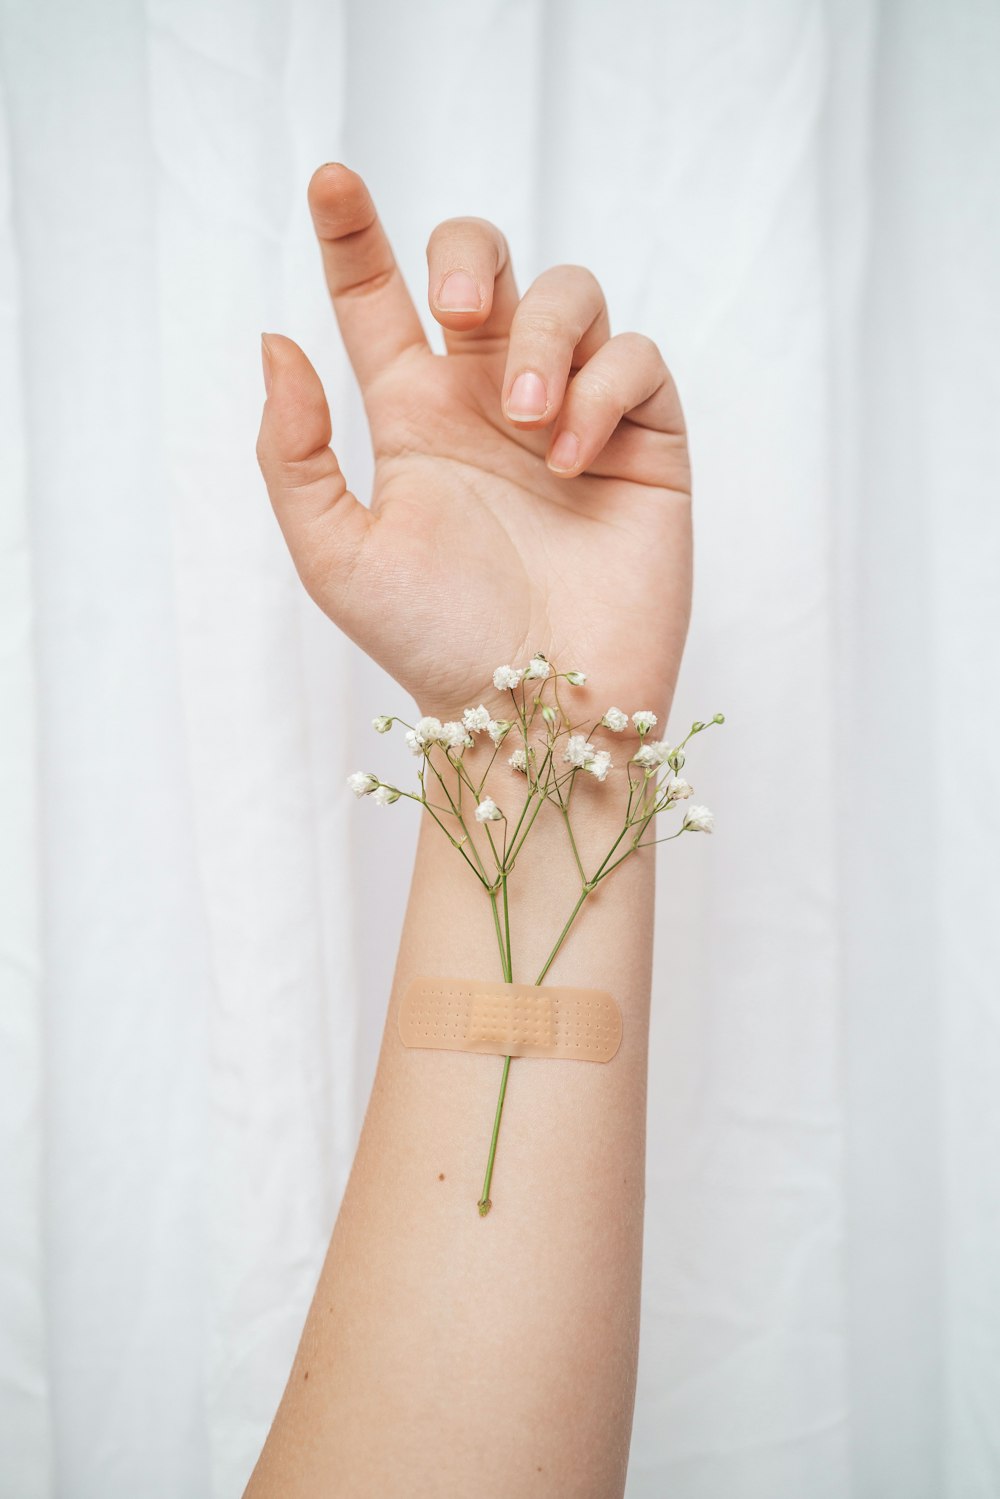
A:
(197, 924)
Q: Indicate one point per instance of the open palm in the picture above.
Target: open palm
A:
(508, 515)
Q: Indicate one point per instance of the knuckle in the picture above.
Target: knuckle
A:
(584, 277)
(464, 229)
(642, 347)
(542, 322)
(596, 389)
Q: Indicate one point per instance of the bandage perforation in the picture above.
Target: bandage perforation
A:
(518, 1020)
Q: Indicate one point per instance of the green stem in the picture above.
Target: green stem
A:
(503, 939)
(506, 927)
(564, 809)
(484, 1202)
(562, 935)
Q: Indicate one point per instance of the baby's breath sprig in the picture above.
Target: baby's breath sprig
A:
(541, 743)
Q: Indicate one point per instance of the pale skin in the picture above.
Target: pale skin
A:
(446, 1353)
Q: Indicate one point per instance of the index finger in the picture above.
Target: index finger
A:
(374, 310)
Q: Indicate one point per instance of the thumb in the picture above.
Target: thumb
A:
(323, 524)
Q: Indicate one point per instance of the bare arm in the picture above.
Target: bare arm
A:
(448, 1353)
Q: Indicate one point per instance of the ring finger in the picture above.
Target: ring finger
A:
(626, 377)
(560, 323)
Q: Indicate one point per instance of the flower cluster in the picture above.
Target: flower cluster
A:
(535, 757)
(547, 751)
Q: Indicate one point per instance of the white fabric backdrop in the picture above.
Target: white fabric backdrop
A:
(797, 199)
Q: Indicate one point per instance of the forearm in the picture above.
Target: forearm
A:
(451, 1354)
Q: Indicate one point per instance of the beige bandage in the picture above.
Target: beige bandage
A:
(510, 1020)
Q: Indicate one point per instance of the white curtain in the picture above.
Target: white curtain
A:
(798, 200)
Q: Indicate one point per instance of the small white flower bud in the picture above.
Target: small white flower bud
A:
(576, 678)
(488, 811)
(698, 820)
(578, 751)
(537, 667)
(428, 730)
(676, 790)
(382, 724)
(498, 728)
(644, 721)
(676, 759)
(519, 760)
(599, 766)
(615, 720)
(719, 718)
(385, 795)
(453, 735)
(362, 782)
(550, 715)
(652, 754)
(476, 718)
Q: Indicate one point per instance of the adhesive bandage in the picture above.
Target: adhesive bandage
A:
(510, 1020)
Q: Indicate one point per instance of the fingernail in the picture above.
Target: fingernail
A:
(527, 398)
(265, 359)
(565, 453)
(459, 292)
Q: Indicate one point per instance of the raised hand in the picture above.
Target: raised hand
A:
(532, 485)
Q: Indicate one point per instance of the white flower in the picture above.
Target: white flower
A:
(382, 724)
(677, 789)
(428, 730)
(644, 720)
(488, 811)
(362, 782)
(506, 676)
(581, 753)
(576, 678)
(578, 751)
(454, 736)
(497, 728)
(384, 796)
(519, 760)
(615, 720)
(414, 743)
(599, 765)
(698, 819)
(653, 754)
(476, 718)
(537, 667)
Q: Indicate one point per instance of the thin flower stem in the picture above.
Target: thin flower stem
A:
(478, 790)
(667, 838)
(533, 791)
(517, 847)
(506, 928)
(501, 944)
(497, 859)
(563, 934)
(517, 826)
(460, 846)
(484, 1203)
(461, 820)
(607, 856)
(576, 852)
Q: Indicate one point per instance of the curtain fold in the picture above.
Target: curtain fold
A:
(197, 931)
